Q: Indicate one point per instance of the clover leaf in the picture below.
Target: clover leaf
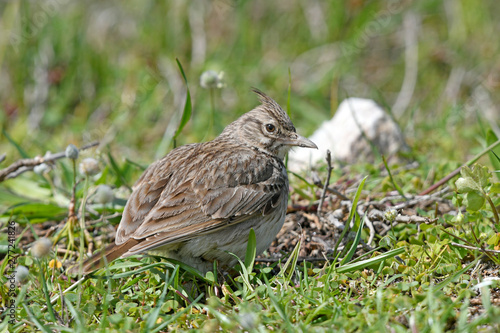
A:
(473, 180)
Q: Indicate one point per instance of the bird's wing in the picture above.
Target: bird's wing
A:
(199, 191)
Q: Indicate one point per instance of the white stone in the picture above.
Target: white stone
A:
(342, 135)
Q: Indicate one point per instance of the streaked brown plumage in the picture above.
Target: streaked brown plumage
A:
(199, 202)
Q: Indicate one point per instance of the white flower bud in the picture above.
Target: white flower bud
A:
(211, 80)
(40, 169)
(22, 274)
(104, 194)
(72, 152)
(41, 247)
(89, 167)
(390, 215)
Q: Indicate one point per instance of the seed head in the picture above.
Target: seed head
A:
(89, 167)
(104, 194)
(22, 274)
(390, 215)
(40, 169)
(211, 79)
(41, 248)
(72, 152)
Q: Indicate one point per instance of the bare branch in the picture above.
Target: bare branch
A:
(329, 173)
(473, 248)
(26, 164)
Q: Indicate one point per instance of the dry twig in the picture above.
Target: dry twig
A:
(27, 164)
(473, 248)
(329, 173)
(457, 171)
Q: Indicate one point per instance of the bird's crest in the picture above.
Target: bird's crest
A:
(270, 105)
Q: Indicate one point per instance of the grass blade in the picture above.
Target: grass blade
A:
(251, 251)
(291, 263)
(351, 214)
(365, 263)
(171, 264)
(77, 316)
(153, 315)
(186, 114)
(278, 306)
(494, 152)
(35, 320)
(457, 170)
(450, 278)
(15, 144)
(396, 186)
(355, 243)
(121, 180)
(288, 108)
(178, 314)
(245, 276)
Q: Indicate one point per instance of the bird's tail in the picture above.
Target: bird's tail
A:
(103, 257)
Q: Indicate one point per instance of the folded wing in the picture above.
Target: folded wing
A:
(190, 201)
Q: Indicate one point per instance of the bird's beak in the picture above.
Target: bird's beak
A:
(300, 141)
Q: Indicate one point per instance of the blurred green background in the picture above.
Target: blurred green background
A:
(75, 72)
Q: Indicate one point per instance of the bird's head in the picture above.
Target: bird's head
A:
(267, 127)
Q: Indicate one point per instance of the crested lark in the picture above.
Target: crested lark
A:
(199, 202)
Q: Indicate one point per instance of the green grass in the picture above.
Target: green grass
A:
(107, 71)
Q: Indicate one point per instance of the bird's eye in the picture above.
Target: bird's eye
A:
(270, 128)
